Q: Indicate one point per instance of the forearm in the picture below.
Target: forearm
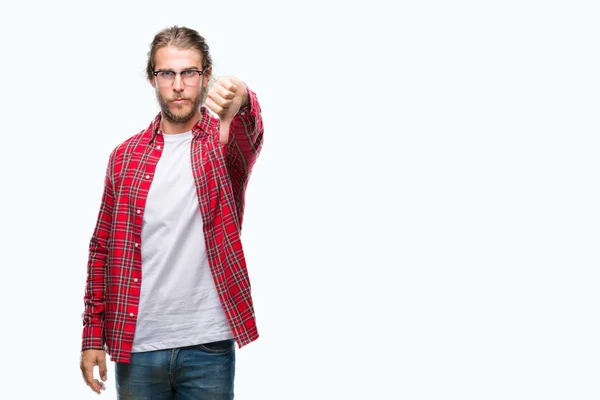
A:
(95, 288)
(93, 315)
(246, 134)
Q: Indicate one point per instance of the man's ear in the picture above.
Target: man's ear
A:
(152, 82)
(206, 76)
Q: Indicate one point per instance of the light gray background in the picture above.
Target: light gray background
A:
(422, 224)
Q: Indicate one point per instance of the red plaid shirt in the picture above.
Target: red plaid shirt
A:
(114, 270)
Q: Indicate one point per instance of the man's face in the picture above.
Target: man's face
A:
(181, 95)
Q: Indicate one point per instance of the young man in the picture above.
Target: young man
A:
(167, 291)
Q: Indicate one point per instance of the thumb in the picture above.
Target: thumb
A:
(102, 367)
(224, 131)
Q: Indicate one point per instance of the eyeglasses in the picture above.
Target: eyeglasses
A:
(190, 77)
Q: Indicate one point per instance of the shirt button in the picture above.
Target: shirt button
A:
(158, 147)
(135, 279)
(147, 176)
(131, 314)
(139, 211)
(137, 245)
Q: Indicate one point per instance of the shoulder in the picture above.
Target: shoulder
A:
(129, 144)
(123, 147)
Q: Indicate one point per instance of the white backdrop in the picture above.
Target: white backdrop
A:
(423, 222)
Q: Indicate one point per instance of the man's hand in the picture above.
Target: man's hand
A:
(90, 359)
(225, 99)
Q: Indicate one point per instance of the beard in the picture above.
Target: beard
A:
(180, 115)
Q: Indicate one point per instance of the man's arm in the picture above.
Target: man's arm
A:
(93, 316)
(246, 133)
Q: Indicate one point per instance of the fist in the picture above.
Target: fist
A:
(226, 97)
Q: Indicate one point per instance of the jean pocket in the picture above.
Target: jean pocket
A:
(220, 347)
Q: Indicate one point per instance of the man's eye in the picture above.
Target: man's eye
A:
(188, 73)
(166, 74)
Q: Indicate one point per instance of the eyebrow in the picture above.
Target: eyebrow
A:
(184, 69)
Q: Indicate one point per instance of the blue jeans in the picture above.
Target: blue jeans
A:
(202, 372)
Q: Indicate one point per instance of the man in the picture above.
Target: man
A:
(167, 292)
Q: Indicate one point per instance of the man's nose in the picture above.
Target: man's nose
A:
(178, 83)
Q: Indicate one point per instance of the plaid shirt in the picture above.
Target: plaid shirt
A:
(114, 270)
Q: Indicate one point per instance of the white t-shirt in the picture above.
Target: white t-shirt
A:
(179, 305)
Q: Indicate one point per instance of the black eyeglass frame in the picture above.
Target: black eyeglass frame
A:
(200, 72)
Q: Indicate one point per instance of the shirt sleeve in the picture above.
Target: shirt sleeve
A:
(245, 139)
(242, 149)
(93, 315)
